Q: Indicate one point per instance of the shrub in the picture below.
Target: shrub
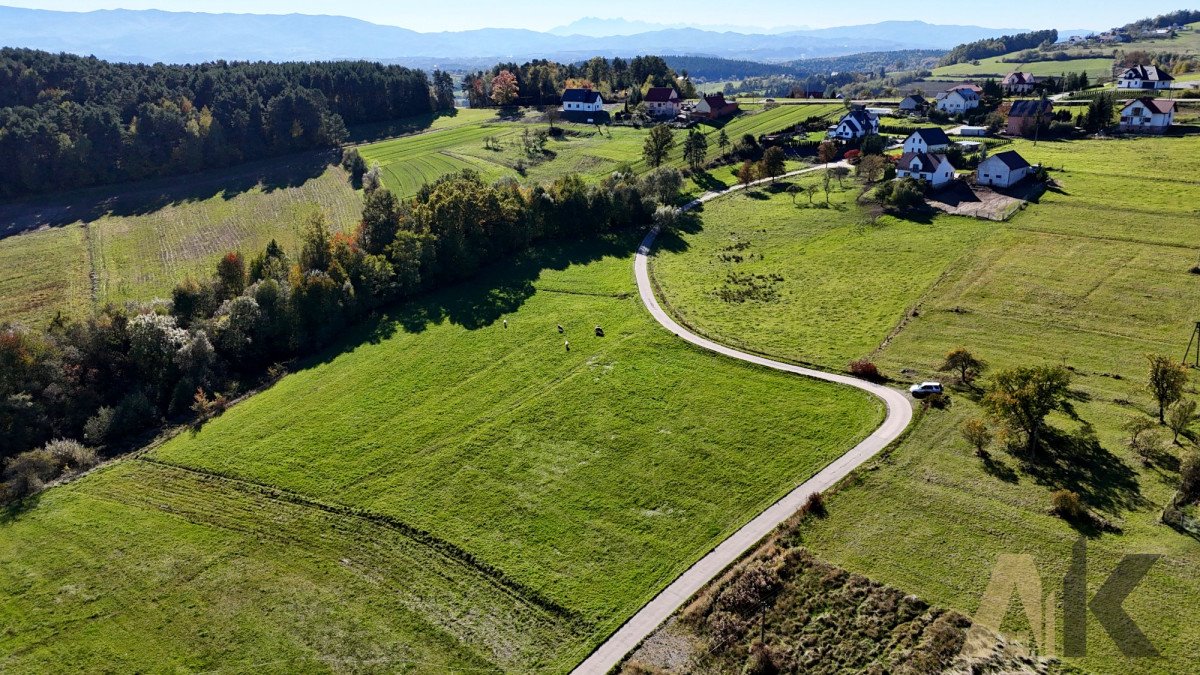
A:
(865, 369)
(1189, 477)
(1068, 506)
(761, 660)
(99, 427)
(28, 472)
(976, 432)
(73, 456)
(814, 506)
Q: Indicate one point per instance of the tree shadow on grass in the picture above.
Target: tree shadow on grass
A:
(12, 511)
(1077, 462)
(706, 182)
(1000, 470)
(481, 301)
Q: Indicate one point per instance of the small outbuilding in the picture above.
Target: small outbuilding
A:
(1003, 170)
(913, 103)
(714, 107)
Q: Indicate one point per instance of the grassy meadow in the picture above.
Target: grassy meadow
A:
(997, 67)
(93, 247)
(495, 149)
(1090, 278)
(510, 502)
(75, 252)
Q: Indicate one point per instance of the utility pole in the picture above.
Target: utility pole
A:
(1194, 340)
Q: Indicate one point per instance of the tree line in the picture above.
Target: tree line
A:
(982, 49)
(69, 121)
(104, 379)
(541, 82)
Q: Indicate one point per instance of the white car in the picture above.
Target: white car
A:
(925, 389)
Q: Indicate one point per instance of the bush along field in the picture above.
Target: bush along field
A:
(1084, 284)
(516, 456)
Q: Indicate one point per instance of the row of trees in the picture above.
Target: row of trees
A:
(69, 121)
(121, 372)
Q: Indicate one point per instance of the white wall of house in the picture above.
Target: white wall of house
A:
(1136, 117)
(955, 102)
(585, 107)
(1139, 83)
(936, 176)
(997, 174)
(915, 143)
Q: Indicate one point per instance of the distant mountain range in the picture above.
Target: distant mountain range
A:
(595, 27)
(183, 37)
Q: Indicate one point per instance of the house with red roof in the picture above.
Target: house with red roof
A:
(662, 101)
(714, 107)
(1147, 115)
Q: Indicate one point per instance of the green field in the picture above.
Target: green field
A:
(996, 67)
(407, 163)
(138, 242)
(522, 500)
(1087, 278)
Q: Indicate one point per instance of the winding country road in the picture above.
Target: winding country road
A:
(899, 414)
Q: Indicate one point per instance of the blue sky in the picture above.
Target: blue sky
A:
(545, 14)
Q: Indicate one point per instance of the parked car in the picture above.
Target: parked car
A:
(925, 389)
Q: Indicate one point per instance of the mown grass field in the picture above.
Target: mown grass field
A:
(1088, 278)
(578, 483)
(846, 282)
(138, 241)
(495, 149)
(996, 67)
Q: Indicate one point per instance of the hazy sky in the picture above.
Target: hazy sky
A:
(545, 14)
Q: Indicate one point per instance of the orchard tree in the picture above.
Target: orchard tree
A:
(659, 143)
(1180, 417)
(964, 363)
(746, 173)
(827, 151)
(1167, 380)
(1021, 398)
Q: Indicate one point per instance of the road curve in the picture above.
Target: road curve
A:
(649, 617)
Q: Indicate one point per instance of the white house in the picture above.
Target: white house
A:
(1003, 170)
(856, 124)
(958, 100)
(923, 166)
(1018, 83)
(1144, 77)
(1147, 115)
(932, 139)
(662, 101)
(582, 100)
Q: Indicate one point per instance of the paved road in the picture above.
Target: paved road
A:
(648, 618)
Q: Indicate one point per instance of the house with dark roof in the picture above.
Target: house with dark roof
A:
(914, 103)
(930, 168)
(1025, 116)
(1018, 83)
(662, 101)
(582, 100)
(959, 99)
(1147, 115)
(855, 125)
(1003, 170)
(932, 139)
(1144, 77)
(714, 107)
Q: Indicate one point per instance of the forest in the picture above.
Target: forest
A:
(107, 378)
(1006, 44)
(70, 121)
